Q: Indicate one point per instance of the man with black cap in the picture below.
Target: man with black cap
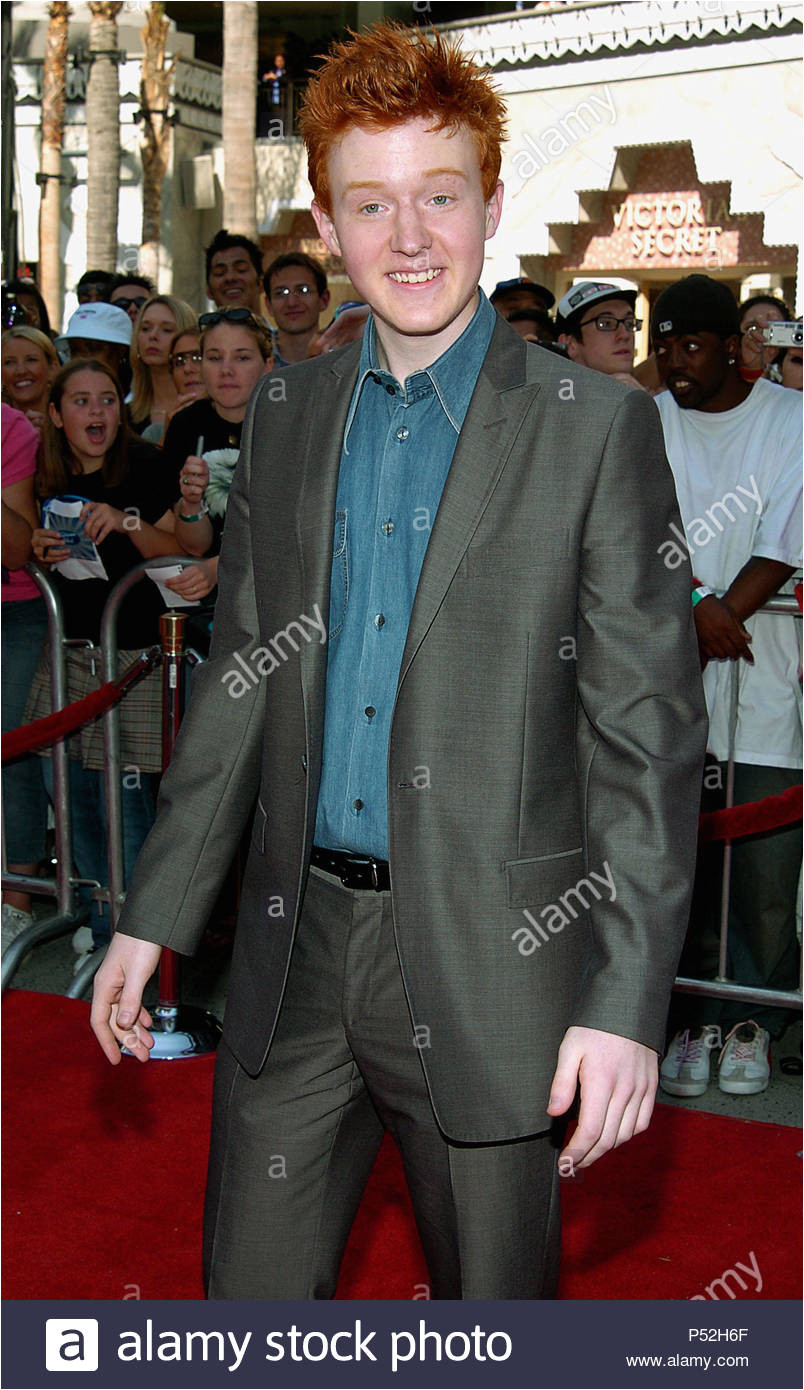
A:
(735, 451)
(596, 324)
(520, 293)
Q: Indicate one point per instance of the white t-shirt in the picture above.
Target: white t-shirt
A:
(738, 480)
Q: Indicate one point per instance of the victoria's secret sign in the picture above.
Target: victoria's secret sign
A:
(670, 226)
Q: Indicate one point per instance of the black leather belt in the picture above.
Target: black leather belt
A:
(353, 870)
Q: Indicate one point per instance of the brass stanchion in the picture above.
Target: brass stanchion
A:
(179, 1030)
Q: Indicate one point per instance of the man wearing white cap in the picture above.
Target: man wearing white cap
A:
(597, 326)
(98, 330)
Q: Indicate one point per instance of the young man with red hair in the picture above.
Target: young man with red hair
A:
(476, 799)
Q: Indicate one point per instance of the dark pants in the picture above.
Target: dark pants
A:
(293, 1147)
(763, 946)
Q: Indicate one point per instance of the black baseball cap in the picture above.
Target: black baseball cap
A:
(696, 304)
(521, 282)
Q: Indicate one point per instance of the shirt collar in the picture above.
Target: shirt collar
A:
(453, 375)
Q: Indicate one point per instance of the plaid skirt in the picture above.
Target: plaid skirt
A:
(140, 709)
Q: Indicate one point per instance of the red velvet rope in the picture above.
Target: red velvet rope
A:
(752, 818)
(42, 732)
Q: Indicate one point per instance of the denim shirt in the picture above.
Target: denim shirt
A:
(397, 449)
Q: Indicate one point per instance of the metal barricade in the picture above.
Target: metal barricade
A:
(65, 883)
(722, 987)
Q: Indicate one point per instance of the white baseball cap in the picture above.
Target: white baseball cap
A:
(588, 292)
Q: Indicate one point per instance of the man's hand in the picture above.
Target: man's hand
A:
(618, 1079)
(721, 635)
(117, 1015)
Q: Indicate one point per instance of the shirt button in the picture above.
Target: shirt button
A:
(369, 711)
(358, 804)
(379, 620)
(387, 527)
(403, 432)
(391, 390)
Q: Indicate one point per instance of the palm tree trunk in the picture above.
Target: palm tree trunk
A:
(240, 116)
(103, 135)
(51, 273)
(155, 140)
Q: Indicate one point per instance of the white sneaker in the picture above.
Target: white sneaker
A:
(745, 1061)
(82, 941)
(14, 922)
(685, 1069)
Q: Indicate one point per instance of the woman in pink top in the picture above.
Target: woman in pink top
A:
(24, 629)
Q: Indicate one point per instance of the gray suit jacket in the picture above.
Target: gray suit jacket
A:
(546, 744)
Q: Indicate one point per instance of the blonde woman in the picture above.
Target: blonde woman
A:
(29, 364)
(153, 390)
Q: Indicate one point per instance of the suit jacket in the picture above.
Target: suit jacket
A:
(546, 744)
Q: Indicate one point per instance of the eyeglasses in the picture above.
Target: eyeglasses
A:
(127, 304)
(238, 315)
(282, 291)
(180, 359)
(607, 323)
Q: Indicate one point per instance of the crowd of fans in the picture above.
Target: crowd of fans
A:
(141, 426)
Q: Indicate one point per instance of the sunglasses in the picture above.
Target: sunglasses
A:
(130, 303)
(180, 359)
(240, 315)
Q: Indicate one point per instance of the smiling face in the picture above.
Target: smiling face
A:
(26, 374)
(231, 367)
(157, 327)
(233, 280)
(295, 301)
(89, 414)
(699, 370)
(410, 220)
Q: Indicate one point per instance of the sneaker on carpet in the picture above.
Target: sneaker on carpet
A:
(14, 922)
(745, 1060)
(685, 1069)
(82, 940)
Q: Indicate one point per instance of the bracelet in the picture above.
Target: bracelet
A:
(701, 592)
(197, 515)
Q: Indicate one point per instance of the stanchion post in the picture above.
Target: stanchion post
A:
(179, 1030)
(171, 632)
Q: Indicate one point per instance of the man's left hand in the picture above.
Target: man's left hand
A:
(618, 1079)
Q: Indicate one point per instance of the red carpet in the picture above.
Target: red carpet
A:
(104, 1174)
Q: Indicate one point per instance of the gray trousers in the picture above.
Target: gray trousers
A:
(292, 1148)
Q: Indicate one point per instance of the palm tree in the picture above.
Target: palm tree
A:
(240, 116)
(103, 135)
(51, 275)
(155, 138)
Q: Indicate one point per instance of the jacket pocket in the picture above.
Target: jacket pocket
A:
(544, 879)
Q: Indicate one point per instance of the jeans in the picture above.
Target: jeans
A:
(24, 799)
(88, 809)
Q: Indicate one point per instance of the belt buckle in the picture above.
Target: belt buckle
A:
(375, 882)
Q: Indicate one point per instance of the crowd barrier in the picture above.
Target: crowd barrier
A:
(183, 1031)
(734, 822)
(180, 1030)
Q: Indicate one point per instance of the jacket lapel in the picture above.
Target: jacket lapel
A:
(498, 406)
